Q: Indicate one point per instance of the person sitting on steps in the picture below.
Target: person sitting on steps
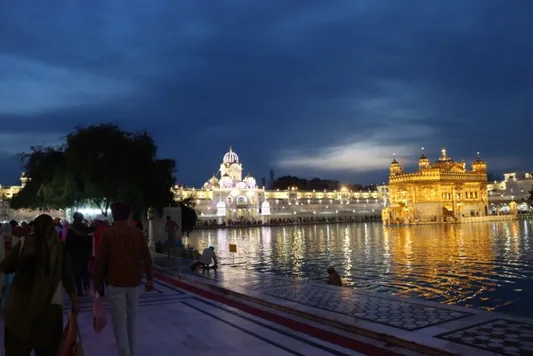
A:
(208, 256)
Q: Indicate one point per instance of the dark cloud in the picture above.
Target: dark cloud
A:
(314, 87)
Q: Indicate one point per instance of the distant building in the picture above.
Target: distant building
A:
(514, 187)
(228, 196)
(441, 191)
(6, 213)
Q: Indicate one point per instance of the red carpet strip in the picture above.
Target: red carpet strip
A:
(320, 334)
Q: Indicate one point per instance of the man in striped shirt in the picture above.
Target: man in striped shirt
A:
(122, 252)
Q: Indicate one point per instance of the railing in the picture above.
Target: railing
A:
(488, 218)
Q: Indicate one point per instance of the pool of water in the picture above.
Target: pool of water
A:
(481, 265)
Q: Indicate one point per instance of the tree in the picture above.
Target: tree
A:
(48, 186)
(97, 165)
(188, 215)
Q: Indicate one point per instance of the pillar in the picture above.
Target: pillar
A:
(151, 232)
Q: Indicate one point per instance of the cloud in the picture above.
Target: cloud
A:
(32, 87)
(15, 143)
(278, 80)
(369, 154)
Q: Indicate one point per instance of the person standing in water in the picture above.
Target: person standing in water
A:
(334, 278)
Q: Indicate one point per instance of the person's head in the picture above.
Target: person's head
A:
(13, 223)
(168, 217)
(77, 217)
(211, 248)
(44, 226)
(120, 211)
(57, 221)
(331, 270)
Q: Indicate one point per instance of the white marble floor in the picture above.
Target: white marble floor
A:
(430, 325)
(184, 324)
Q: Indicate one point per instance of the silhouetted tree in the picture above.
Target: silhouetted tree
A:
(188, 215)
(97, 165)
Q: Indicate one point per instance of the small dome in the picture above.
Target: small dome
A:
(230, 157)
(248, 178)
(478, 159)
(213, 179)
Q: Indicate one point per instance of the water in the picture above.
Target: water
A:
(482, 265)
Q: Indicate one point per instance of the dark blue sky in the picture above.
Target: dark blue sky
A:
(328, 88)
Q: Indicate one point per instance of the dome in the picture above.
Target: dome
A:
(226, 181)
(230, 157)
(444, 156)
(213, 179)
(478, 159)
(423, 155)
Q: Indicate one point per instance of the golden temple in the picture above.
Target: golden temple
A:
(443, 191)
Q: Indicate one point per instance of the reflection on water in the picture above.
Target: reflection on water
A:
(483, 265)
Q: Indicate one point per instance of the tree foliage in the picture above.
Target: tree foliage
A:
(97, 165)
(188, 215)
(286, 182)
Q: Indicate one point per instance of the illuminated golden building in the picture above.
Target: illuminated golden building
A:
(441, 191)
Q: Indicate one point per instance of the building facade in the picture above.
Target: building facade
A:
(229, 197)
(440, 191)
(515, 187)
(6, 213)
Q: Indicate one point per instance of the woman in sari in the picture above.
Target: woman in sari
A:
(33, 313)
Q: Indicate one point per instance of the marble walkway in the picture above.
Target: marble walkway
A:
(424, 326)
(175, 322)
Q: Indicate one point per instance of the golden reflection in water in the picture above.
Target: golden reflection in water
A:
(486, 265)
(449, 269)
(347, 254)
(386, 250)
(297, 252)
(266, 243)
(526, 234)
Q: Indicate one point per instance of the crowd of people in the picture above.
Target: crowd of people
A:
(76, 259)
(242, 222)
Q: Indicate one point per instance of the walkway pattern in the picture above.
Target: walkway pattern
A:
(454, 329)
(173, 322)
(403, 315)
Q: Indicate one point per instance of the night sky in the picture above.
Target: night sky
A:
(310, 88)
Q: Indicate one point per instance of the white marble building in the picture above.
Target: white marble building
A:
(515, 187)
(227, 196)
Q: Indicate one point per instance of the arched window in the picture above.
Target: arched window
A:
(230, 200)
(241, 200)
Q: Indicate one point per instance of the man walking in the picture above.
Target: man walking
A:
(122, 250)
